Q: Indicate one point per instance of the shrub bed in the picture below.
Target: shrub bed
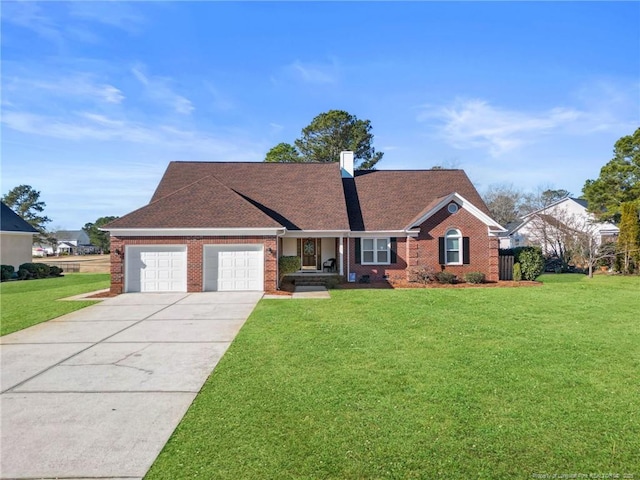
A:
(446, 277)
(30, 271)
(474, 277)
(423, 275)
(288, 264)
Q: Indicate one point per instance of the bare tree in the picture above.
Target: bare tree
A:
(508, 203)
(504, 202)
(572, 239)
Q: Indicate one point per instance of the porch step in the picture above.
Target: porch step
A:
(311, 280)
(304, 283)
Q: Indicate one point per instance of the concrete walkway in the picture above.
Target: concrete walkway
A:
(98, 392)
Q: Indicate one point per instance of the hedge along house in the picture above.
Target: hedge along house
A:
(222, 226)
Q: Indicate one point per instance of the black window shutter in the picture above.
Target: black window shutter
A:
(394, 247)
(358, 258)
(299, 247)
(441, 250)
(465, 250)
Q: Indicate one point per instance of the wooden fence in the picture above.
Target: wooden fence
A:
(68, 267)
(505, 265)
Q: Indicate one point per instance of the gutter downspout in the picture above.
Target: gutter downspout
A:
(348, 255)
(278, 237)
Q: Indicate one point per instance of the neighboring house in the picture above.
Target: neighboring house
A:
(223, 226)
(565, 217)
(73, 242)
(16, 238)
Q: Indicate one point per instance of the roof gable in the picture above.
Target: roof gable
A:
(204, 203)
(304, 196)
(391, 199)
(438, 204)
(10, 221)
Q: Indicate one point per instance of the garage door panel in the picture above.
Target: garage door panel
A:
(156, 268)
(234, 268)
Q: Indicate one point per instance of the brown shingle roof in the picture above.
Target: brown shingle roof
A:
(391, 199)
(307, 196)
(244, 195)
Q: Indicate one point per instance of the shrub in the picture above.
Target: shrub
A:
(36, 270)
(445, 277)
(55, 271)
(28, 271)
(31, 268)
(332, 283)
(607, 255)
(288, 265)
(517, 272)
(43, 270)
(422, 275)
(555, 265)
(474, 277)
(531, 262)
(7, 272)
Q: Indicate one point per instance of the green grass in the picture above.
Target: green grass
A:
(436, 383)
(26, 303)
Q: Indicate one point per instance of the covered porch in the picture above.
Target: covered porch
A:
(318, 254)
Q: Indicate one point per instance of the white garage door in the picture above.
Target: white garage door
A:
(233, 268)
(155, 268)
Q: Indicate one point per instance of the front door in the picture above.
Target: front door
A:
(309, 253)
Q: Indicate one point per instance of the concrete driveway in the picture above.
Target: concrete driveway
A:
(98, 392)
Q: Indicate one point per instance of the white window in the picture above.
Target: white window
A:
(376, 251)
(453, 250)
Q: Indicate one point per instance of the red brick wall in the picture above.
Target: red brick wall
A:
(195, 247)
(423, 250)
(394, 271)
(483, 249)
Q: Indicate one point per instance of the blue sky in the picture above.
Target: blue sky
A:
(98, 97)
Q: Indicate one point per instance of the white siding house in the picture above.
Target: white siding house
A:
(567, 214)
(16, 238)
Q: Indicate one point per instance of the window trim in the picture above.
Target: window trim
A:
(375, 250)
(457, 234)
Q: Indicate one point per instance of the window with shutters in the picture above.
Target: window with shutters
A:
(376, 251)
(453, 247)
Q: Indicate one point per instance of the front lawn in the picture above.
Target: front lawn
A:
(431, 383)
(25, 303)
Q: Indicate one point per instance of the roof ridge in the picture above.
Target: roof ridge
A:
(153, 202)
(176, 191)
(244, 162)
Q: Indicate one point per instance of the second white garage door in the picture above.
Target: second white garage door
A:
(233, 268)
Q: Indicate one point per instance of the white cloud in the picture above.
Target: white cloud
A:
(66, 23)
(221, 101)
(477, 124)
(111, 94)
(603, 106)
(158, 89)
(31, 16)
(73, 87)
(276, 127)
(89, 126)
(119, 15)
(315, 73)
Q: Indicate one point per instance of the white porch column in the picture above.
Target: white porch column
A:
(341, 251)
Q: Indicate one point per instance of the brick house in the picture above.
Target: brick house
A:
(223, 226)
